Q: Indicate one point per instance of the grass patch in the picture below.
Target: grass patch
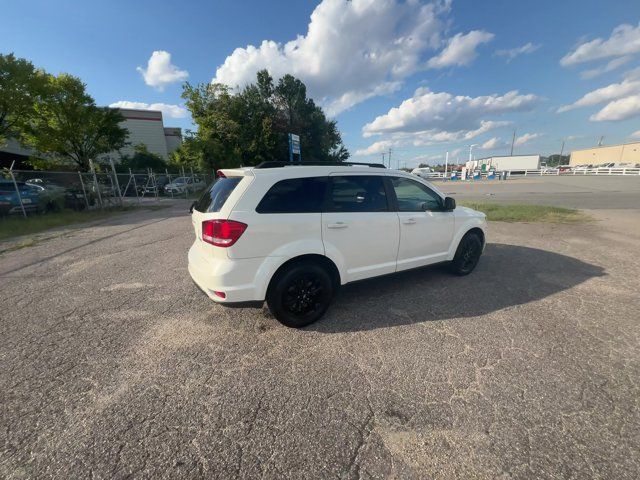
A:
(16, 226)
(528, 213)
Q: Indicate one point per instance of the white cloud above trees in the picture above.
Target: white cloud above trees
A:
(168, 110)
(358, 49)
(160, 72)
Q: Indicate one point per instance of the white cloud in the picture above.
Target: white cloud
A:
(512, 53)
(352, 50)
(608, 67)
(605, 94)
(621, 109)
(160, 72)
(525, 138)
(460, 49)
(444, 114)
(492, 144)
(376, 148)
(635, 134)
(433, 136)
(624, 40)
(168, 110)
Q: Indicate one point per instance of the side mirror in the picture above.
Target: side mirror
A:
(449, 204)
(191, 207)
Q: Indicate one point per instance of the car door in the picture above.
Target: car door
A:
(359, 229)
(426, 229)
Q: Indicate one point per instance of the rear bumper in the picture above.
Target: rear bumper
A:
(236, 278)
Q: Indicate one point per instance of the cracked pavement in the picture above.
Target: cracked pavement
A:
(114, 365)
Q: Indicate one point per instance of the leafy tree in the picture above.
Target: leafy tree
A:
(555, 160)
(142, 159)
(67, 123)
(21, 87)
(190, 154)
(252, 126)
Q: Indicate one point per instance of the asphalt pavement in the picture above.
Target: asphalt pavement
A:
(114, 364)
(571, 191)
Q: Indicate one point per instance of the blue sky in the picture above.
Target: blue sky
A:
(417, 77)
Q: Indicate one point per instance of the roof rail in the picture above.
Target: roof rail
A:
(279, 164)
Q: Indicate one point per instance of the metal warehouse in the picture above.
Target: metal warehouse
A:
(621, 154)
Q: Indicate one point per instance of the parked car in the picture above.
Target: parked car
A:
(160, 183)
(292, 234)
(52, 196)
(130, 188)
(180, 184)
(564, 168)
(10, 202)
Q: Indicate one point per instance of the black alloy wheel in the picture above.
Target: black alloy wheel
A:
(468, 255)
(300, 294)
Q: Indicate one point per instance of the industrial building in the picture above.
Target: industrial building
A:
(507, 162)
(144, 126)
(621, 154)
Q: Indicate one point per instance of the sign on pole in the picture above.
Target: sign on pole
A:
(294, 147)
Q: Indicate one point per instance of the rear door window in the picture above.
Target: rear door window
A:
(214, 197)
(357, 193)
(294, 195)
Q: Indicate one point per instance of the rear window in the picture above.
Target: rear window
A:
(215, 196)
(295, 195)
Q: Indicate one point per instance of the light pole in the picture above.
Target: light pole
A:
(446, 165)
(470, 149)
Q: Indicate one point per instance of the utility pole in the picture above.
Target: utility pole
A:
(383, 154)
(513, 141)
(389, 157)
(600, 141)
(561, 151)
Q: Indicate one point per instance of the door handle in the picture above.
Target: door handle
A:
(409, 221)
(337, 225)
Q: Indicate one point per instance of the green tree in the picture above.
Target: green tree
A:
(142, 159)
(21, 87)
(252, 126)
(68, 123)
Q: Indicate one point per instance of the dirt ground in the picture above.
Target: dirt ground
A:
(114, 365)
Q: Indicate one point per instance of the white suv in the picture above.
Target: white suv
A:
(292, 234)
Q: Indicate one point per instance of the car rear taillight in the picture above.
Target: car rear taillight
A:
(222, 233)
(221, 174)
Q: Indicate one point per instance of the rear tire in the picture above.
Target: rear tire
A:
(467, 255)
(300, 294)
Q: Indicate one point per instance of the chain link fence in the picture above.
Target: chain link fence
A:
(29, 192)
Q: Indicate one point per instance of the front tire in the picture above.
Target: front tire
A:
(300, 294)
(467, 255)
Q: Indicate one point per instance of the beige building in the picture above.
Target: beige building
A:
(143, 126)
(626, 153)
(146, 126)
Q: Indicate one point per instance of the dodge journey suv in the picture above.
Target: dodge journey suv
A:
(292, 234)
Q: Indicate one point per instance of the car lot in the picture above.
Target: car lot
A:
(115, 364)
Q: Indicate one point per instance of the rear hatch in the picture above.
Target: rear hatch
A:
(216, 203)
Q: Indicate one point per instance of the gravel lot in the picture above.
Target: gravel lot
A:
(114, 365)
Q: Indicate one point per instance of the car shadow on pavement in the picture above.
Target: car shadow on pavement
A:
(507, 275)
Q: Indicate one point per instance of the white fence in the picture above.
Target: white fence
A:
(576, 171)
(547, 171)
